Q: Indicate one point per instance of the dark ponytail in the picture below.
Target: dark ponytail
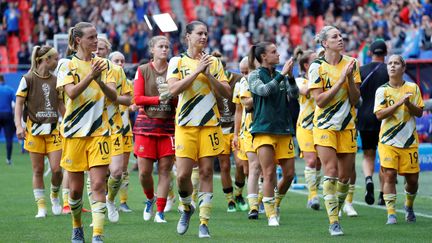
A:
(255, 53)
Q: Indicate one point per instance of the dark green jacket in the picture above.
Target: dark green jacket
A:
(271, 93)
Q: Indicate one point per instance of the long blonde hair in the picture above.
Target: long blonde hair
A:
(77, 31)
(40, 53)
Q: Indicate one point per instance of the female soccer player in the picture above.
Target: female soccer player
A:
(397, 103)
(304, 129)
(119, 59)
(197, 78)
(272, 127)
(37, 92)
(86, 129)
(334, 85)
(116, 122)
(243, 139)
(154, 127)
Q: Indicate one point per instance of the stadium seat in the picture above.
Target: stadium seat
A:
(4, 60)
(165, 6)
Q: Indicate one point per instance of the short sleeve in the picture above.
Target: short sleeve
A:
(356, 72)
(315, 80)
(109, 73)
(173, 68)
(236, 94)
(22, 88)
(380, 100)
(418, 100)
(66, 76)
(301, 82)
(244, 90)
(217, 70)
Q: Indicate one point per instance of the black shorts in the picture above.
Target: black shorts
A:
(369, 139)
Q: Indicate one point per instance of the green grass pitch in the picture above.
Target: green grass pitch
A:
(298, 224)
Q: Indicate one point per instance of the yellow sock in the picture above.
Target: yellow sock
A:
(205, 205)
(350, 196)
(238, 188)
(330, 199)
(76, 207)
(269, 205)
(98, 217)
(253, 201)
(123, 192)
(195, 183)
(318, 179)
(39, 195)
(342, 192)
(65, 196)
(409, 199)
(310, 178)
(278, 199)
(390, 201)
(185, 202)
(113, 188)
(89, 191)
(54, 191)
(228, 192)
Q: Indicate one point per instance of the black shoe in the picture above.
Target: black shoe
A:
(253, 214)
(369, 195)
(381, 201)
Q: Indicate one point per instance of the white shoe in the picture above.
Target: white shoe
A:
(42, 213)
(148, 210)
(169, 204)
(113, 215)
(159, 218)
(273, 221)
(56, 207)
(349, 210)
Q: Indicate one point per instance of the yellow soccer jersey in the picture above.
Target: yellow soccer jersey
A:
(339, 114)
(398, 130)
(244, 92)
(113, 109)
(197, 104)
(85, 115)
(236, 94)
(36, 128)
(124, 112)
(307, 107)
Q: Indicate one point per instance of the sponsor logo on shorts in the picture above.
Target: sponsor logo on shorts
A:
(325, 136)
(30, 143)
(141, 148)
(179, 147)
(387, 159)
(68, 161)
(105, 158)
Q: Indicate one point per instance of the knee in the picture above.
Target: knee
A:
(390, 176)
(269, 174)
(38, 172)
(57, 173)
(225, 168)
(206, 174)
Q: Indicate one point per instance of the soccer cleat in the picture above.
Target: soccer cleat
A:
(97, 239)
(124, 208)
(253, 214)
(314, 203)
(148, 210)
(183, 223)
(349, 210)
(66, 210)
(160, 217)
(56, 207)
(8, 161)
(113, 215)
(335, 229)
(369, 195)
(203, 231)
(391, 219)
(241, 204)
(261, 208)
(273, 221)
(42, 213)
(381, 201)
(169, 204)
(231, 207)
(77, 235)
(410, 215)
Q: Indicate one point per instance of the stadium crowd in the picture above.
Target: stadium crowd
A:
(235, 25)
